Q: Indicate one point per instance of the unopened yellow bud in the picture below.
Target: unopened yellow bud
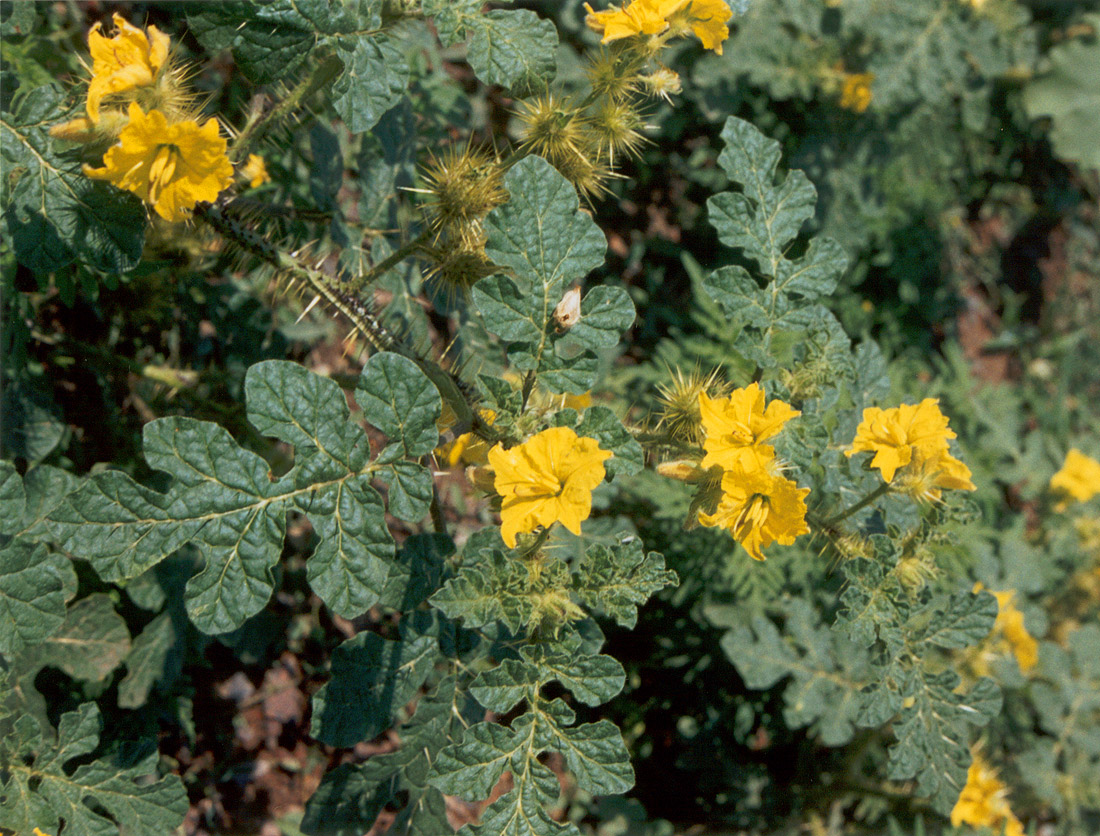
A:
(684, 470)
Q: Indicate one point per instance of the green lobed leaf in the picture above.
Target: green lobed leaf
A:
(471, 769)
(541, 236)
(374, 79)
(155, 656)
(596, 755)
(764, 218)
(617, 580)
(54, 213)
(1067, 91)
(348, 569)
(223, 500)
(452, 18)
(34, 585)
(270, 40)
(933, 744)
(606, 312)
(827, 671)
(91, 642)
(42, 789)
(13, 499)
(497, 589)
(514, 48)
(501, 688)
(350, 797)
(398, 399)
(32, 426)
(593, 679)
(510, 314)
(410, 490)
(416, 572)
(520, 813)
(372, 679)
(965, 621)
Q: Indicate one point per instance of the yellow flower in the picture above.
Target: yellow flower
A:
(1010, 625)
(640, 17)
(547, 479)
(982, 802)
(169, 166)
(1078, 479)
(927, 475)
(706, 18)
(127, 60)
(759, 508)
(577, 402)
(468, 448)
(855, 95)
(736, 425)
(906, 433)
(255, 171)
(38, 832)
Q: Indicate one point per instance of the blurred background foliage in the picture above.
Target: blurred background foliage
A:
(954, 147)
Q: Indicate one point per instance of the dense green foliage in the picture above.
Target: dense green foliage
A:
(203, 478)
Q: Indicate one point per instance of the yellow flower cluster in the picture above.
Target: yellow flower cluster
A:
(705, 18)
(759, 506)
(911, 451)
(982, 802)
(1079, 478)
(168, 160)
(547, 479)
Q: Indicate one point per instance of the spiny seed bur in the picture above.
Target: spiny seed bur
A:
(678, 403)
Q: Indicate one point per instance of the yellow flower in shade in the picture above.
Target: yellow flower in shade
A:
(38, 832)
(468, 448)
(983, 802)
(736, 426)
(899, 434)
(759, 508)
(1078, 479)
(129, 59)
(255, 171)
(855, 94)
(169, 166)
(1010, 625)
(547, 479)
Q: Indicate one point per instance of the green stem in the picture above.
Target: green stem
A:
(324, 72)
(390, 261)
(881, 490)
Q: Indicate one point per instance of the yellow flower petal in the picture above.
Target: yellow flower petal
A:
(759, 508)
(736, 426)
(708, 22)
(171, 166)
(915, 433)
(255, 171)
(128, 59)
(982, 802)
(547, 479)
(1079, 477)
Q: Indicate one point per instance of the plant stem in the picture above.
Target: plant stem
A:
(398, 255)
(882, 489)
(324, 72)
